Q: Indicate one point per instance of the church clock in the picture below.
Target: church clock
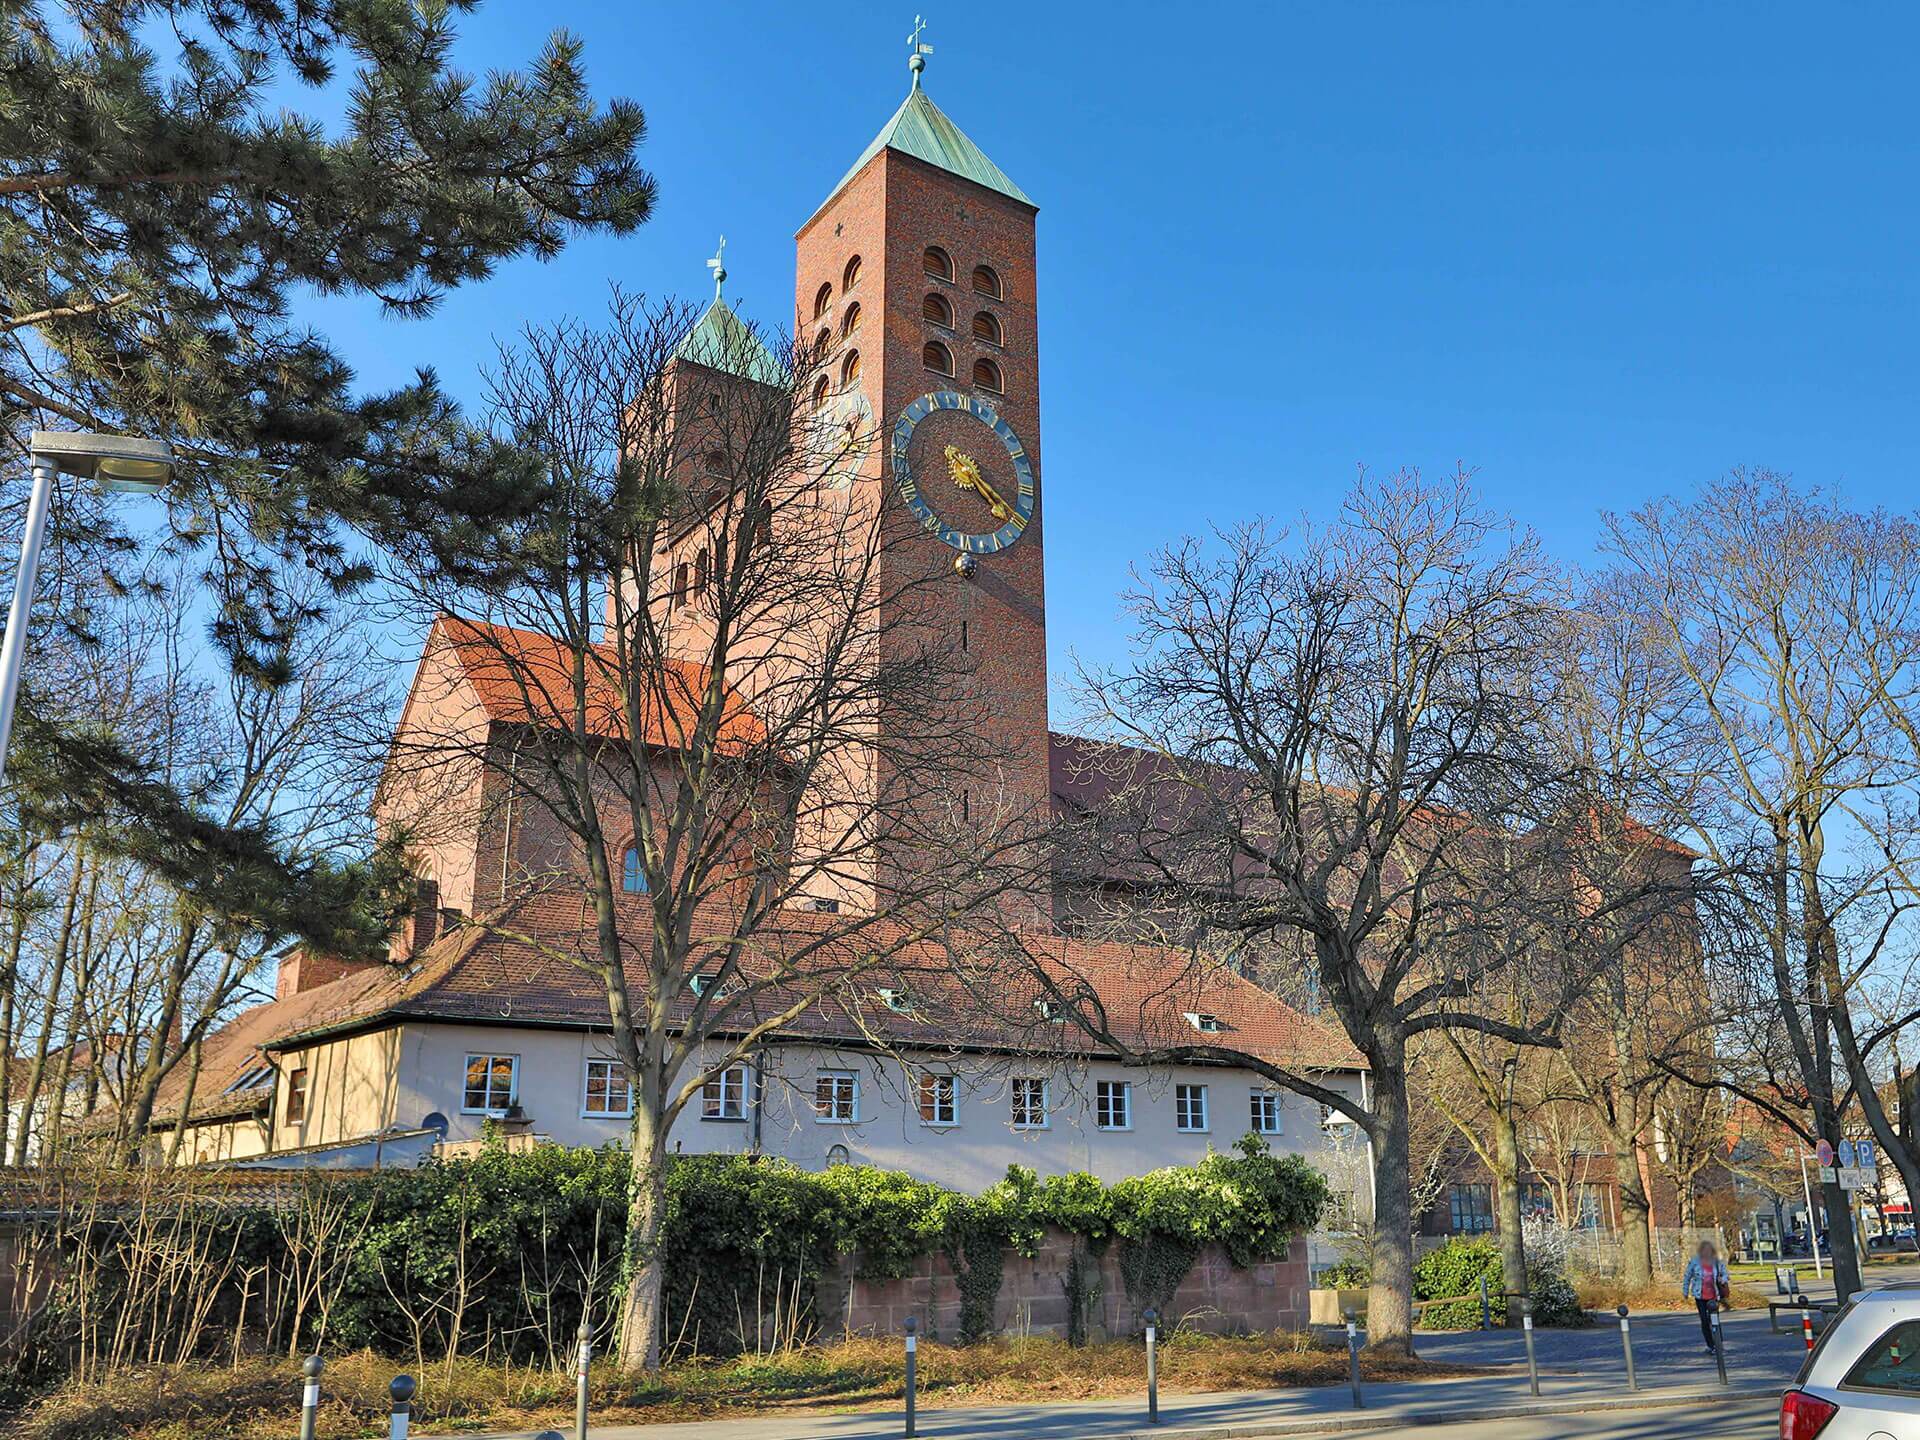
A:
(963, 472)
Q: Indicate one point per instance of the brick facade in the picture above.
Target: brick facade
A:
(1216, 1297)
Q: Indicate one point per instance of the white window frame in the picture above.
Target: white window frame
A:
(1118, 1089)
(1198, 1092)
(1263, 1103)
(938, 1079)
(1046, 1103)
(852, 1077)
(613, 1069)
(513, 1081)
(714, 1088)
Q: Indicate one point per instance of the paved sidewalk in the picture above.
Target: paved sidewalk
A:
(1221, 1416)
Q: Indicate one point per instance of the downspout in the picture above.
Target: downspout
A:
(1367, 1105)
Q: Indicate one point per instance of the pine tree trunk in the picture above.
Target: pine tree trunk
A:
(1390, 1297)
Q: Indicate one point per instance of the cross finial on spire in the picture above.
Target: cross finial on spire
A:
(916, 52)
(718, 265)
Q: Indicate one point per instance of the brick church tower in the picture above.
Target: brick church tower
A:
(918, 273)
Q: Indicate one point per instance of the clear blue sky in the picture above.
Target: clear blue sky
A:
(1595, 254)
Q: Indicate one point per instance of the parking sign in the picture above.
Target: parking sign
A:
(1864, 1156)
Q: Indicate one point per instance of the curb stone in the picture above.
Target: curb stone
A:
(1357, 1419)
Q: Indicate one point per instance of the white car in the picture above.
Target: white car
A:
(1861, 1380)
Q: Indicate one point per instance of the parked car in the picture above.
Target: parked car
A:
(1892, 1242)
(1862, 1377)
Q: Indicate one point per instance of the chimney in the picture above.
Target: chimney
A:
(303, 968)
(424, 925)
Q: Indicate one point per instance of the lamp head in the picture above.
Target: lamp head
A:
(126, 463)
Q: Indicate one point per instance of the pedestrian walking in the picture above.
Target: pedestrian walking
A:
(1705, 1283)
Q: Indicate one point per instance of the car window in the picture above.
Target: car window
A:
(1891, 1363)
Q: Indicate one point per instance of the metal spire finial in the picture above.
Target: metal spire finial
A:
(917, 53)
(718, 265)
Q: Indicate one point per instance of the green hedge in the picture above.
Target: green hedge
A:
(502, 1248)
(1455, 1268)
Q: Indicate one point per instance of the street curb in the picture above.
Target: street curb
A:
(1354, 1419)
(1381, 1419)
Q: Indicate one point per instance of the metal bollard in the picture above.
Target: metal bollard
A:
(1526, 1324)
(1626, 1343)
(1719, 1343)
(1153, 1367)
(1486, 1306)
(1353, 1359)
(912, 1373)
(1806, 1319)
(401, 1393)
(310, 1398)
(580, 1383)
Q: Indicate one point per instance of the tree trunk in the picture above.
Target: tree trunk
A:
(36, 1073)
(642, 1261)
(1636, 1237)
(1390, 1297)
(1506, 1208)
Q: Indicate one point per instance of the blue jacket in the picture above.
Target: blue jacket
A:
(1690, 1282)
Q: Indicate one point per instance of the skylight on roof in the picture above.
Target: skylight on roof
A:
(252, 1079)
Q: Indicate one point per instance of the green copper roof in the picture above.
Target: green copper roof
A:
(720, 340)
(919, 129)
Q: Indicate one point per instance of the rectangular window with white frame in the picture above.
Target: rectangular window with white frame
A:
(939, 1099)
(836, 1097)
(1190, 1107)
(493, 1083)
(609, 1093)
(1028, 1100)
(724, 1096)
(1265, 1118)
(1113, 1104)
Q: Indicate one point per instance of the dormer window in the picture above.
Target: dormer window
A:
(895, 999)
(1204, 1023)
(1051, 1011)
(702, 983)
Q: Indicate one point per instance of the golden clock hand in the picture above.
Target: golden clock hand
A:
(966, 474)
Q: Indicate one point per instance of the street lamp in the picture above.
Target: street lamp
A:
(122, 463)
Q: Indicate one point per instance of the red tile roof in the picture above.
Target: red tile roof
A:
(513, 970)
(523, 677)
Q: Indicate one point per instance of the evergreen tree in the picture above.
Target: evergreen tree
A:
(162, 205)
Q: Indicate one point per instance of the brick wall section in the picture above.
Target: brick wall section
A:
(1215, 1297)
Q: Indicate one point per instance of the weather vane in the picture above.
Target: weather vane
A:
(718, 265)
(916, 51)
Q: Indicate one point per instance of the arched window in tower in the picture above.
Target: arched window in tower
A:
(820, 391)
(986, 281)
(633, 875)
(850, 277)
(715, 462)
(849, 369)
(986, 376)
(851, 322)
(936, 309)
(679, 595)
(702, 569)
(822, 298)
(823, 341)
(937, 358)
(987, 327)
(763, 524)
(939, 264)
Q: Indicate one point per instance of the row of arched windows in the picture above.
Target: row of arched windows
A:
(986, 373)
(986, 280)
(986, 325)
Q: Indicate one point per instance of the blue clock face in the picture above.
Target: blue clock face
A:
(963, 472)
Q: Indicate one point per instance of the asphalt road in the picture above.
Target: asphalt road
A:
(1667, 1350)
(1736, 1420)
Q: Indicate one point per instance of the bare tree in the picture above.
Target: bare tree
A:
(1382, 695)
(1794, 626)
(736, 710)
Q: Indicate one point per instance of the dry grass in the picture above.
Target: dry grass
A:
(1598, 1292)
(261, 1396)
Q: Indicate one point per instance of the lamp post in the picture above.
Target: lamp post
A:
(113, 462)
